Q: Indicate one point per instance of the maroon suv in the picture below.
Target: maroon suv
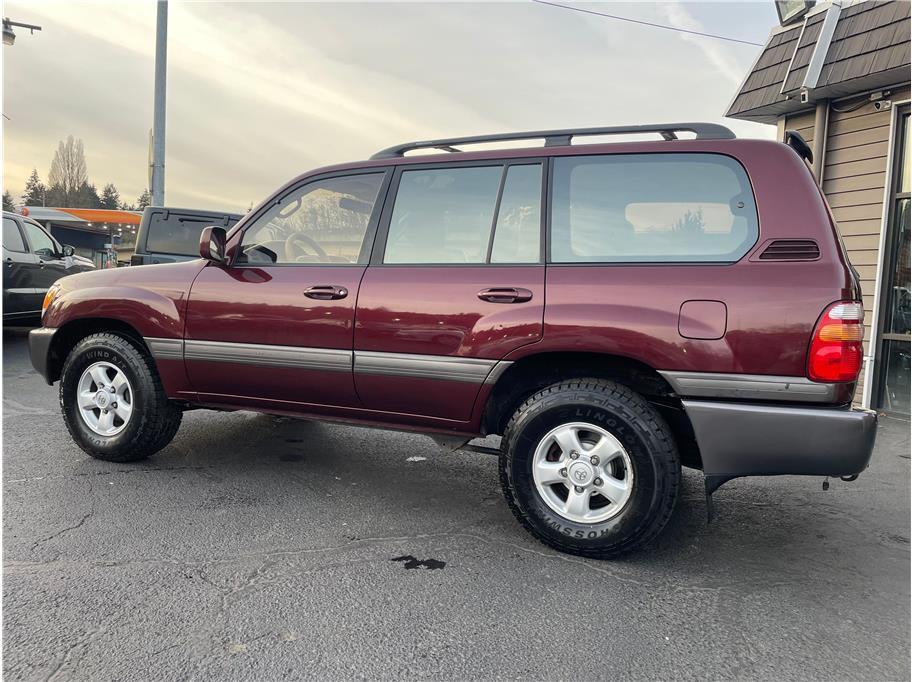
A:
(613, 311)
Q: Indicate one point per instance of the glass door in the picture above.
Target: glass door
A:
(893, 358)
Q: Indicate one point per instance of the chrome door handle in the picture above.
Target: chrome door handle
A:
(326, 292)
(505, 295)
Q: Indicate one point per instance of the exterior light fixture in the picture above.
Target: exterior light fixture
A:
(9, 35)
(791, 11)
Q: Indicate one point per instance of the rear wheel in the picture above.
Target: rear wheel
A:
(113, 402)
(590, 468)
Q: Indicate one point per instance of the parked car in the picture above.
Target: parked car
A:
(613, 311)
(169, 235)
(32, 261)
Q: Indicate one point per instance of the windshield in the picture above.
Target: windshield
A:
(180, 234)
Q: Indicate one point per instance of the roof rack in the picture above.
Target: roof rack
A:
(794, 140)
(561, 138)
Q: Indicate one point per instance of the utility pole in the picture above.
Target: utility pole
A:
(158, 122)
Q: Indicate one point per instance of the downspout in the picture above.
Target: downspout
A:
(821, 123)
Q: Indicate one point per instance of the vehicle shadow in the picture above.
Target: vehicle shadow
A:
(762, 526)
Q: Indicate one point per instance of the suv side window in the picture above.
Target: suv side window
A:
(41, 243)
(469, 215)
(518, 231)
(663, 208)
(12, 237)
(324, 221)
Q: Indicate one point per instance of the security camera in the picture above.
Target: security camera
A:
(803, 96)
(882, 105)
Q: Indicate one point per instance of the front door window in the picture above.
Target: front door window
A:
(323, 222)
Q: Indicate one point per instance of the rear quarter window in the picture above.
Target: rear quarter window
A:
(641, 208)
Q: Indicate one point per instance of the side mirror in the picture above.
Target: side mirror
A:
(212, 244)
(68, 250)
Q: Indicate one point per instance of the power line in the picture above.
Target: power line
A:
(648, 23)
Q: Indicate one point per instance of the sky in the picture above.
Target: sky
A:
(259, 92)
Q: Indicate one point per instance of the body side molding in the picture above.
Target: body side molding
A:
(749, 387)
(165, 349)
(439, 367)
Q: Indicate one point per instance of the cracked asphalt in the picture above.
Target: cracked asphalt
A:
(261, 548)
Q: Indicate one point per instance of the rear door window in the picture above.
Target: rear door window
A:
(466, 215)
(517, 233)
(634, 208)
(12, 237)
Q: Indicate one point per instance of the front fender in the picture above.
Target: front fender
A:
(151, 313)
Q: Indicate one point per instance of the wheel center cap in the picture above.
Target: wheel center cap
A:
(580, 473)
(102, 399)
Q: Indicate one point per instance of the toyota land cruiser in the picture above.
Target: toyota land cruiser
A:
(613, 310)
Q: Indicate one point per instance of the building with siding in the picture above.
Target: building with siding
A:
(840, 77)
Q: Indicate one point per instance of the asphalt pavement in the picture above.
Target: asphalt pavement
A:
(264, 548)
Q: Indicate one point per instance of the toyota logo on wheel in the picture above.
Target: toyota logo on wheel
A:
(579, 475)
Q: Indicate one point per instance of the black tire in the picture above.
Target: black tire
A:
(639, 428)
(155, 419)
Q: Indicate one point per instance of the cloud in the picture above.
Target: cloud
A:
(717, 54)
(260, 92)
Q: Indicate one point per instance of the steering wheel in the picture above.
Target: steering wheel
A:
(297, 245)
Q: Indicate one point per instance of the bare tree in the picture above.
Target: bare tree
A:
(68, 169)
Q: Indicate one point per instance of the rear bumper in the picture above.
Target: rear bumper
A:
(39, 345)
(741, 439)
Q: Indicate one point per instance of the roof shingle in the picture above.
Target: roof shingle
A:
(870, 43)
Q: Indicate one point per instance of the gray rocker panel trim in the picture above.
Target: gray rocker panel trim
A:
(325, 359)
(444, 368)
(749, 387)
(439, 367)
(166, 349)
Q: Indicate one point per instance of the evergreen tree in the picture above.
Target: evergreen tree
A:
(144, 200)
(56, 195)
(35, 190)
(110, 197)
(86, 197)
(8, 203)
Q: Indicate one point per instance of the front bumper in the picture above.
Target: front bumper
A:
(741, 439)
(39, 348)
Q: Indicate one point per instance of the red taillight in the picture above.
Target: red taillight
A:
(836, 350)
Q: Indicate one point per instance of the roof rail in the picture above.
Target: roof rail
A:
(561, 138)
(794, 140)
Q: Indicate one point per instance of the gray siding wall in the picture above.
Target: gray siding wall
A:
(855, 176)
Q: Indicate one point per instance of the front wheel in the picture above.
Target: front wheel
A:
(113, 402)
(590, 468)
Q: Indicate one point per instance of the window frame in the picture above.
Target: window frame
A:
(655, 263)
(367, 245)
(893, 194)
(379, 251)
(58, 249)
(22, 238)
